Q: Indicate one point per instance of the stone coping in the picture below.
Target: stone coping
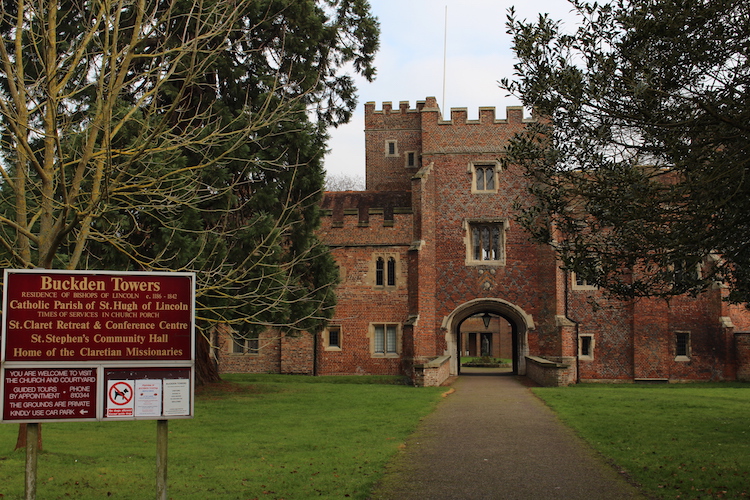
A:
(546, 362)
(433, 363)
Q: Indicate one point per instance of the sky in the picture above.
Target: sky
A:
(414, 36)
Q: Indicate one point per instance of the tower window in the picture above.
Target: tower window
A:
(486, 243)
(391, 148)
(411, 159)
(391, 271)
(484, 178)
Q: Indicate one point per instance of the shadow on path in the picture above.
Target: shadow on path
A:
(493, 439)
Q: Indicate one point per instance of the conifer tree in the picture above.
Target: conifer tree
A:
(186, 136)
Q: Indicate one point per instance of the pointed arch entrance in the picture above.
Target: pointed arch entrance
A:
(520, 323)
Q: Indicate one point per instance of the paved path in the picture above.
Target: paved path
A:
(493, 439)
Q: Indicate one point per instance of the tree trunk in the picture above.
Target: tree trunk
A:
(206, 369)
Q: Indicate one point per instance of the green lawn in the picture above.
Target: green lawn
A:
(261, 436)
(485, 359)
(296, 437)
(677, 441)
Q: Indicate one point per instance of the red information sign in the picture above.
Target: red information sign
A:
(66, 334)
(91, 317)
(49, 393)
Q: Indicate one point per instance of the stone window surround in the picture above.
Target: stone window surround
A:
(468, 224)
(372, 271)
(590, 355)
(326, 338)
(688, 353)
(473, 171)
(245, 345)
(388, 143)
(575, 285)
(371, 337)
(413, 155)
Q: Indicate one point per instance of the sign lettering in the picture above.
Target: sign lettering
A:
(94, 317)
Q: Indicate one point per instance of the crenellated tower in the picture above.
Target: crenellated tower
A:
(397, 140)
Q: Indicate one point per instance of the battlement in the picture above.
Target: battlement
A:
(387, 109)
(458, 116)
(367, 219)
(359, 206)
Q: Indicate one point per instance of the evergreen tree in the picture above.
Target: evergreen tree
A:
(151, 135)
(640, 162)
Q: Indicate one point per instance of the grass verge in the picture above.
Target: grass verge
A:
(675, 441)
(254, 436)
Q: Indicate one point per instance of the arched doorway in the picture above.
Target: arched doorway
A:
(520, 323)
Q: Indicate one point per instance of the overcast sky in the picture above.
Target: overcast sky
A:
(410, 62)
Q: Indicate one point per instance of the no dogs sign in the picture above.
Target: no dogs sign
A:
(120, 399)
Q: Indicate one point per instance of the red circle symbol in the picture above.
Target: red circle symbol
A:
(120, 393)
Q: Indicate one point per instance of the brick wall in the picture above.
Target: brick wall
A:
(420, 215)
(267, 360)
(610, 325)
(548, 373)
(297, 354)
(742, 343)
(356, 242)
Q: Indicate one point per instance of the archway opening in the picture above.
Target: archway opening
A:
(492, 326)
(486, 340)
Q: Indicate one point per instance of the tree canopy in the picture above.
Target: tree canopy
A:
(169, 135)
(640, 159)
(344, 182)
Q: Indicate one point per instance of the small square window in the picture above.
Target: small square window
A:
(245, 344)
(682, 346)
(391, 148)
(332, 338)
(586, 347)
(385, 339)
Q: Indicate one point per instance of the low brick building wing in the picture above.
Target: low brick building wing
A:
(434, 268)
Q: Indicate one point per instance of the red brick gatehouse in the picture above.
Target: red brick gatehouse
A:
(434, 266)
